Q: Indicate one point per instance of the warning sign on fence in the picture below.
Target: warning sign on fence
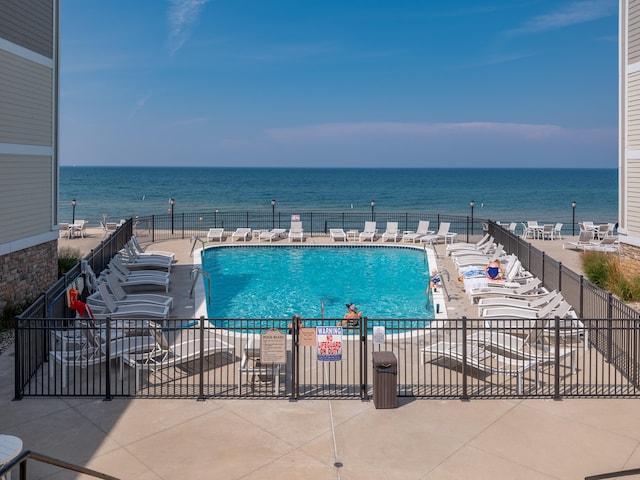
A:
(329, 342)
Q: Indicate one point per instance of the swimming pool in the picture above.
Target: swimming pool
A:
(317, 281)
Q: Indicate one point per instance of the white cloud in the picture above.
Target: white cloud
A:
(571, 14)
(390, 129)
(140, 105)
(182, 16)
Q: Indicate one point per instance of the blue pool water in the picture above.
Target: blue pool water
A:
(278, 282)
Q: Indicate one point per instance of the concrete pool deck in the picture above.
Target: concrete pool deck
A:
(276, 439)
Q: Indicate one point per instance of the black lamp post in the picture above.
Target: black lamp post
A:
(373, 206)
(172, 203)
(472, 204)
(73, 211)
(573, 219)
(273, 214)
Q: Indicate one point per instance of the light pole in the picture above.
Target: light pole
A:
(73, 210)
(273, 214)
(573, 219)
(472, 204)
(373, 206)
(172, 203)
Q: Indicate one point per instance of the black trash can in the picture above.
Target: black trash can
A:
(385, 380)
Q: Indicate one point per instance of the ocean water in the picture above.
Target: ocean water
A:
(505, 195)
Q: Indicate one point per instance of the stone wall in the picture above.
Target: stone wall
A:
(629, 252)
(26, 274)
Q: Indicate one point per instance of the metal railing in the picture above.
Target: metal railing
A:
(610, 363)
(22, 461)
(190, 225)
(217, 358)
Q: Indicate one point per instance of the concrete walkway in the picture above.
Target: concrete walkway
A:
(323, 439)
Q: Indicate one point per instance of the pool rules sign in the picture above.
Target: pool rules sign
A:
(329, 344)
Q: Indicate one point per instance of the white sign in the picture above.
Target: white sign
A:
(329, 344)
(378, 335)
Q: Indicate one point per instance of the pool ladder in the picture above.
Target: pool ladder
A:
(441, 273)
(195, 275)
(196, 239)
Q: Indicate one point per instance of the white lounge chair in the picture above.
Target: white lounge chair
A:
(546, 311)
(123, 298)
(422, 230)
(134, 270)
(481, 359)
(134, 261)
(391, 233)
(143, 252)
(585, 238)
(606, 244)
(369, 232)
(530, 289)
(296, 232)
(138, 279)
(185, 346)
(337, 234)
(485, 242)
(511, 345)
(271, 234)
(241, 234)
(479, 260)
(127, 310)
(215, 234)
(441, 234)
(529, 303)
(92, 351)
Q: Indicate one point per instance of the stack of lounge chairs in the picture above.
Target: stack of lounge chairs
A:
(518, 320)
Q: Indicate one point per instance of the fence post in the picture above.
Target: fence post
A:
(364, 394)
(17, 377)
(201, 360)
(609, 327)
(153, 228)
(560, 276)
(182, 225)
(581, 297)
(294, 359)
(465, 392)
(556, 360)
(107, 343)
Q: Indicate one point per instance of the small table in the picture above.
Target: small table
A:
(352, 235)
(10, 448)
(255, 233)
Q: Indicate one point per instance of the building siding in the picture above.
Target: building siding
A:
(26, 116)
(29, 24)
(28, 148)
(26, 186)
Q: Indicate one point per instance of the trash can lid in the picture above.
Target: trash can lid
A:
(384, 359)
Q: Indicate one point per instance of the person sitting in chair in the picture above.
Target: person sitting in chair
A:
(494, 271)
(352, 317)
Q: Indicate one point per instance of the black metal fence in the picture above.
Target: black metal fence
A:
(59, 355)
(259, 358)
(187, 225)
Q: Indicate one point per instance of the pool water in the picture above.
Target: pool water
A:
(278, 282)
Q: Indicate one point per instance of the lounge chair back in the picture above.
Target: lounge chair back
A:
(369, 227)
(423, 227)
(107, 298)
(444, 229)
(115, 287)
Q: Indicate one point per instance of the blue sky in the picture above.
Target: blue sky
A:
(339, 83)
